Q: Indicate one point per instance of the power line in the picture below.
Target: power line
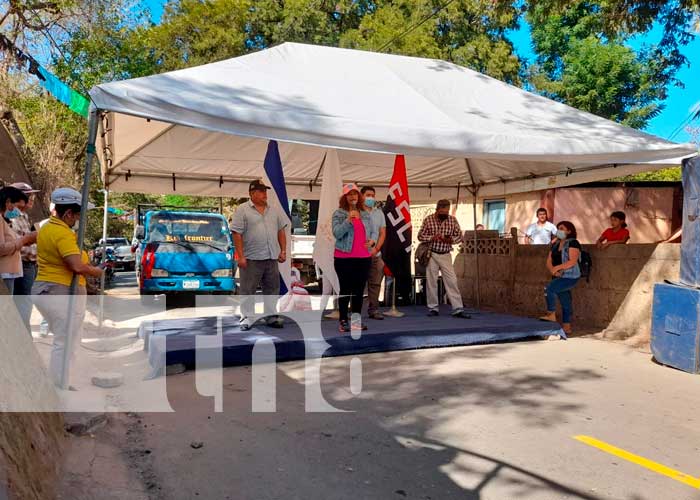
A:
(694, 113)
(435, 12)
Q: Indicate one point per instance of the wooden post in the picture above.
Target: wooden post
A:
(513, 265)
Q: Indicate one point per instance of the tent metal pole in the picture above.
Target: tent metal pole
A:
(476, 251)
(475, 190)
(105, 221)
(89, 157)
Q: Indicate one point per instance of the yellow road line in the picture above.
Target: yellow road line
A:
(644, 462)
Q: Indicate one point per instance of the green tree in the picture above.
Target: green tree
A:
(580, 63)
(467, 32)
(194, 32)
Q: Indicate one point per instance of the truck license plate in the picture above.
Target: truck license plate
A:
(190, 284)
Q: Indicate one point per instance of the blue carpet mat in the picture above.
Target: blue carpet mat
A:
(415, 330)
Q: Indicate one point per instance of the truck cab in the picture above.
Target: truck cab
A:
(184, 252)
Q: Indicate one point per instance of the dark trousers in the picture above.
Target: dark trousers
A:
(352, 275)
(263, 273)
(23, 291)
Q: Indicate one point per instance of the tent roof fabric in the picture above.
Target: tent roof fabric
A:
(204, 130)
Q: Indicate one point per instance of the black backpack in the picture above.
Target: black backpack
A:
(585, 264)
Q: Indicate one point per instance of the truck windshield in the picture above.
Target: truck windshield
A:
(188, 228)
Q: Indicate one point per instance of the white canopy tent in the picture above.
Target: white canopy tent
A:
(204, 130)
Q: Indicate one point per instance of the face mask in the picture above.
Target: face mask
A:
(12, 214)
(442, 217)
(370, 202)
(561, 234)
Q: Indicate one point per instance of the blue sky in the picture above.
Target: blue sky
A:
(678, 105)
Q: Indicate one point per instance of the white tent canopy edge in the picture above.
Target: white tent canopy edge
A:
(204, 130)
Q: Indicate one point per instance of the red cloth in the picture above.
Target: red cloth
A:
(620, 235)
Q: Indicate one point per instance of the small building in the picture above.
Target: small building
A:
(654, 209)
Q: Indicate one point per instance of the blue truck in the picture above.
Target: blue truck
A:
(184, 253)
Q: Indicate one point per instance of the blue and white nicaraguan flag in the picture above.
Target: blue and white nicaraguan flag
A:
(277, 200)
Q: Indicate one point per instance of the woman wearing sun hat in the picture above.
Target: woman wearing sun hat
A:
(354, 236)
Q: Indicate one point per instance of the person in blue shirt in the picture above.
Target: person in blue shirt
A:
(376, 270)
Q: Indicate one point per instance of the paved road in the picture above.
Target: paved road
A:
(487, 422)
(124, 282)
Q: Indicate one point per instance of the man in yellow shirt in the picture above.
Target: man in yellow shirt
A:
(59, 259)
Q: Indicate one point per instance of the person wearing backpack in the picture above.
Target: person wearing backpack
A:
(563, 264)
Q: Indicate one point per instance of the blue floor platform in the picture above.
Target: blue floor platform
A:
(173, 341)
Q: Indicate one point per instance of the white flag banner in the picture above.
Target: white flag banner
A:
(324, 246)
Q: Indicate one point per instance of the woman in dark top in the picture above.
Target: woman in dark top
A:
(563, 265)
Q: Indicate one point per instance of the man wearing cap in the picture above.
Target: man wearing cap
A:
(59, 259)
(22, 225)
(260, 240)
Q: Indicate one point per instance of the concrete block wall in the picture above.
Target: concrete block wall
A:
(617, 299)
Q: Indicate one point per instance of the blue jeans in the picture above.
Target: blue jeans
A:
(10, 284)
(23, 292)
(560, 287)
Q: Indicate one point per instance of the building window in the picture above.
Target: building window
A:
(495, 215)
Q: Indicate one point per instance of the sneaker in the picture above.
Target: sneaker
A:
(459, 313)
(376, 315)
(275, 322)
(356, 323)
(432, 312)
(343, 326)
(244, 324)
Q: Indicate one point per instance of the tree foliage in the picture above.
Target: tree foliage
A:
(583, 59)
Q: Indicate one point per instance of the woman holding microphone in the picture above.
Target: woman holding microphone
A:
(354, 236)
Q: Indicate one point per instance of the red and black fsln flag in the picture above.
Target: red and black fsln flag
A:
(396, 250)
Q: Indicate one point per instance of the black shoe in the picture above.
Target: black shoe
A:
(461, 314)
(344, 326)
(275, 322)
(376, 315)
(432, 312)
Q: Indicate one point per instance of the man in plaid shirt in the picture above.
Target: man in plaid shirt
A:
(442, 231)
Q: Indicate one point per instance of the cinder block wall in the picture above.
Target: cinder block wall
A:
(617, 299)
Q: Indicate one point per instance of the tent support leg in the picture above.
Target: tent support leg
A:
(105, 221)
(476, 252)
(89, 157)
